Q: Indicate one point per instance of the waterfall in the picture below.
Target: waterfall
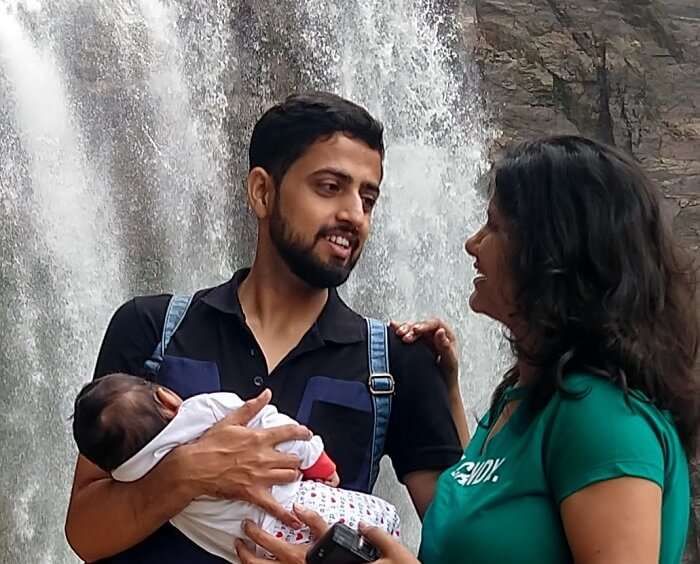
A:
(123, 133)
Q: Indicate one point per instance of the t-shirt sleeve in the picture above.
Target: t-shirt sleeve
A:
(599, 436)
(131, 336)
(421, 434)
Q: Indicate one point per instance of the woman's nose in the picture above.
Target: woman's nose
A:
(470, 245)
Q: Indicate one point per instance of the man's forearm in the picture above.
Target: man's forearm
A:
(106, 517)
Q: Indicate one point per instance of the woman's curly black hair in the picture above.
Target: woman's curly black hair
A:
(600, 280)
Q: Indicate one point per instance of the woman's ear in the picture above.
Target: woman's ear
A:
(260, 187)
(169, 401)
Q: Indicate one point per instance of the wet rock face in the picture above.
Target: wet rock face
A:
(623, 71)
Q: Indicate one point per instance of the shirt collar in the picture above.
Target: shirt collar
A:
(337, 323)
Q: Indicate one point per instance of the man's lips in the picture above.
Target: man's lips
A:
(339, 250)
(341, 243)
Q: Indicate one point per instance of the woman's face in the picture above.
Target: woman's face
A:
(494, 292)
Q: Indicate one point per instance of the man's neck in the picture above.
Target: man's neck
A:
(275, 301)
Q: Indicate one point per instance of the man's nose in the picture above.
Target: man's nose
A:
(353, 211)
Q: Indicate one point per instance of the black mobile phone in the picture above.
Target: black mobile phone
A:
(342, 545)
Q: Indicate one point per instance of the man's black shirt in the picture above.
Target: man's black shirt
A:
(421, 433)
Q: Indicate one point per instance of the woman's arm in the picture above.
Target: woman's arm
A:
(442, 340)
(614, 522)
(459, 415)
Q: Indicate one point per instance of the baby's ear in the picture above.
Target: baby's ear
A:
(170, 401)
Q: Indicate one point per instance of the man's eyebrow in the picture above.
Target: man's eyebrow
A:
(344, 176)
(338, 173)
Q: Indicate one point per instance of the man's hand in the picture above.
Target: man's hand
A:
(283, 552)
(106, 517)
(232, 461)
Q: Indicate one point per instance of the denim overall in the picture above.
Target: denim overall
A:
(189, 377)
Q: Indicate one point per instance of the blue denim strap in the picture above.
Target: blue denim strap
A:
(381, 388)
(177, 308)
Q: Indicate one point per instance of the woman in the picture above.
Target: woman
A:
(582, 455)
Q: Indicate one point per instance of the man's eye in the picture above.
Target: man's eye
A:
(369, 201)
(329, 187)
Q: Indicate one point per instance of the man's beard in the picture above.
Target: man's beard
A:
(300, 257)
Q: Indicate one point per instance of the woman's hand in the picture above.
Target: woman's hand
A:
(440, 338)
(392, 551)
(284, 552)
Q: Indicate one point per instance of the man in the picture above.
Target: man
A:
(315, 173)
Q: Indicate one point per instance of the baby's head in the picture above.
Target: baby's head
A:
(117, 415)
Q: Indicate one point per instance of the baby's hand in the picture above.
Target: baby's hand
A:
(333, 480)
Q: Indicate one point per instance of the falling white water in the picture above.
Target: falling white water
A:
(123, 131)
(60, 267)
(189, 176)
(397, 57)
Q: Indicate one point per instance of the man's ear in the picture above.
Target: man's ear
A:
(169, 401)
(261, 192)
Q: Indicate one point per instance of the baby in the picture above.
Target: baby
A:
(126, 425)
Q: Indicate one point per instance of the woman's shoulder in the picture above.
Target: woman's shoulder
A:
(595, 430)
(594, 398)
(584, 390)
(584, 383)
(593, 410)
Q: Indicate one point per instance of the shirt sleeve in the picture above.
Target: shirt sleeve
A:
(598, 435)
(131, 336)
(421, 434)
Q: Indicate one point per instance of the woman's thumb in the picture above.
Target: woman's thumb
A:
(379, 538)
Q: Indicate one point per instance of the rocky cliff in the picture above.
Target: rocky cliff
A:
(623, 71)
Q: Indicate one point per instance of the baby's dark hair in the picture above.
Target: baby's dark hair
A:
(115, 416)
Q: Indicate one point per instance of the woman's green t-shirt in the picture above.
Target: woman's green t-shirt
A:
(501, 503)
